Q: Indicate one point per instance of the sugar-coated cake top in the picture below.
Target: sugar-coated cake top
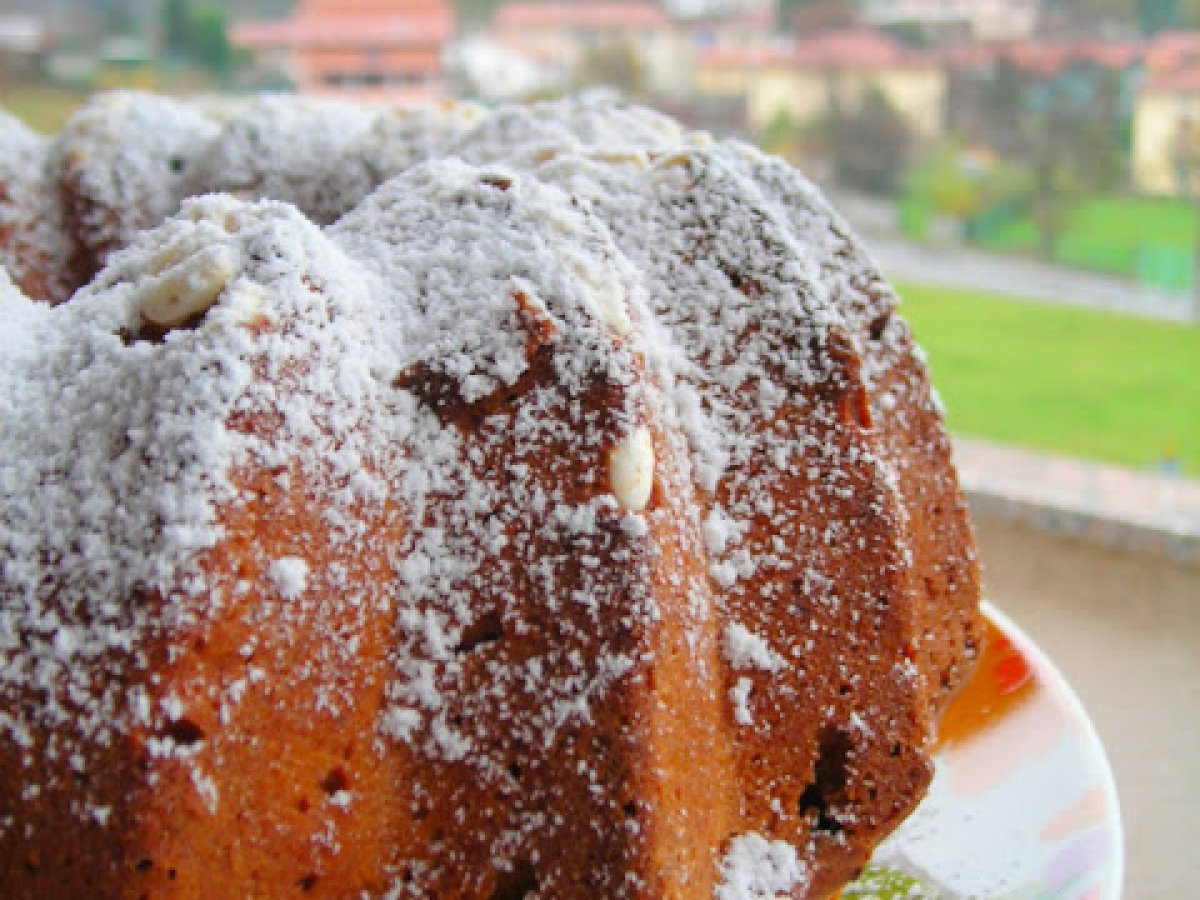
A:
(34, 245)
(126, 157)
(282, 147)
(682, 321)
(117, 449)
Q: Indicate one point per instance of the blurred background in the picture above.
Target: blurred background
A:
(1026, 171)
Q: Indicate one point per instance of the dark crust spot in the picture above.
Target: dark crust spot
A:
(441, 391)
(184, 732)
(150, 332)
(335, 780)
(829, 781)
(516, 884)
(488, 629)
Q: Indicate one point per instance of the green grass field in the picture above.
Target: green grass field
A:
(45, 107)
(42, 108)
(1135, 237)
(1064, 380)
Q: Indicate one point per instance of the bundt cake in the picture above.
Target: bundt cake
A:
(540, 502)
(35, 249)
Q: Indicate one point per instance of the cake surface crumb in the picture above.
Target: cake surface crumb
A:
(290, 576)
(757, 869)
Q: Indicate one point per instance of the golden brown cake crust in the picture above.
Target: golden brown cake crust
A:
(576, 525)
(909, 432)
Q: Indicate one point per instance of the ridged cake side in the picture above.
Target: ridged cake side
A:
(574, 521)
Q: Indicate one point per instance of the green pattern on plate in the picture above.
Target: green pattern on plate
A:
(878, 883)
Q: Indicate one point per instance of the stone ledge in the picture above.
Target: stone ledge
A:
(1120, 508)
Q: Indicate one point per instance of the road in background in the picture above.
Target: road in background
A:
(947, 263)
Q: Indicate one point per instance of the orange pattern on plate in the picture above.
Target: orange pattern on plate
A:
(1003, 681)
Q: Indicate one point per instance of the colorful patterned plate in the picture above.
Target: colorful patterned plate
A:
(1023, 805)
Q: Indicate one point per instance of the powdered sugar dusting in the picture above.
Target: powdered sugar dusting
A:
(526, 253)
(744, 650)
(125, 158)
(739, 697)
(755, 868)
(117, 450)
(281, 147)
(34, 246)
(395, 142)
(540, 344)
(290, 576)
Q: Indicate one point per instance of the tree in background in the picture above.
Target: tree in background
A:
(871, 146)
(118, 16)
(197, 34)
(781, 135)
(1073, 143)
(1068, 131)
(615, 64)
(210, 39)
(176, 28)
(816, 15)
(476, 12)
(1158, 15)
(983, 106)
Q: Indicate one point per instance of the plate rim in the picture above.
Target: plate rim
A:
(1064, 692)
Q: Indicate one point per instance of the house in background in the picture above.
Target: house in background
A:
(738, 24)
(599, 41)
(809, 78)
(981, 20)
(1166, 121)
(992, 89)
(23, 43)
(367, 50)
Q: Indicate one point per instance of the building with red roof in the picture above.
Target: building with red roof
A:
(386, 50)
(570, 36)
(1166, 123)
(985, 20)
(585, 15)
(855, 48)
(808, 77)
(1044, 58)
(1173, 50)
